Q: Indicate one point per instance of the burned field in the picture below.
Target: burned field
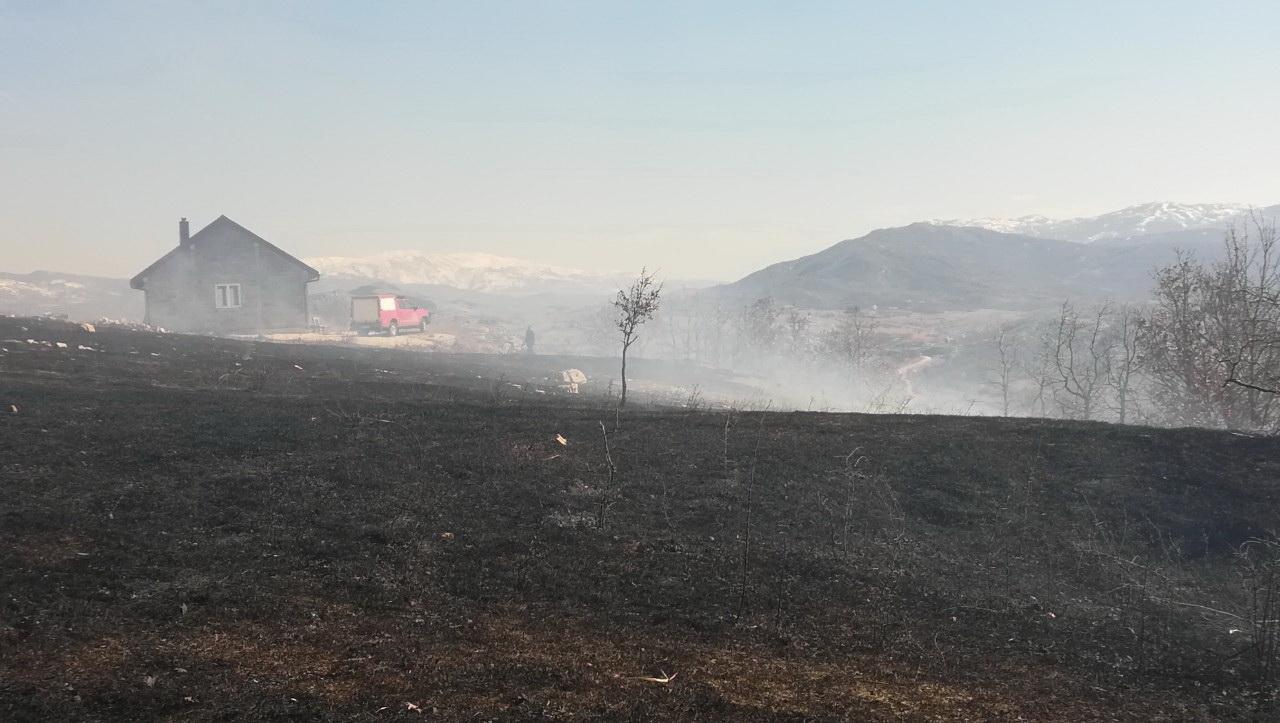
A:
(206, 529)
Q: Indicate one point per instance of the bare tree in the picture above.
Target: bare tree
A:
(1213, 337)
(797, 323)
(1006, 364)
(677, 325)
(1252, 275)
(759, 329)
(1081, 353)
(633, 307)
(1126, 358)
(853, 340)
(713, 321)
(1038, 366)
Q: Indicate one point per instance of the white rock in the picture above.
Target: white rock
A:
(573, 376)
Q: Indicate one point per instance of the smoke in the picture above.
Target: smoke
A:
(853, 360)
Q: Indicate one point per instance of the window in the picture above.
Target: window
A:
(226, 296)
(387, 303)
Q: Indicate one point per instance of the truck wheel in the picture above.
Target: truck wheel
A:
(422, 326)
(393, 329)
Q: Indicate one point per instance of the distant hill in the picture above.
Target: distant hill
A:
(468, 272)
(77, 296)
(934, 267)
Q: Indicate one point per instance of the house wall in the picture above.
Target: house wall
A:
(273, 289)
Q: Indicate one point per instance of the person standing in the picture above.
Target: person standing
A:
(528, 340)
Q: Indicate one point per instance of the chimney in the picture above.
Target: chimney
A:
(184, 232)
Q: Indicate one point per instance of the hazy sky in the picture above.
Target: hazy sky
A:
(705, 138)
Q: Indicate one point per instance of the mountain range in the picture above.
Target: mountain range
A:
(1014, 263)
(75, 295)
(1020, 263)
(468, 272)
(1126, 224)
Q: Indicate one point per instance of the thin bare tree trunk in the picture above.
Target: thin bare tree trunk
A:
(622, 401)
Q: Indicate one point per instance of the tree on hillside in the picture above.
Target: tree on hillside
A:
(1213, 336)
(1038, 367)
(678, 324)
(797, 324)
(1006, 364)
(760, 329)
(633, 307)
(1126, 358)
(853, 340)
(1080, 351)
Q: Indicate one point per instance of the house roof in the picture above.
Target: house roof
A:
(139, 281)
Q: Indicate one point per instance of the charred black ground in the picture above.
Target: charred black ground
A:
(208, 529)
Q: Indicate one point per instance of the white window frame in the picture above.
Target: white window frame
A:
(227, 296)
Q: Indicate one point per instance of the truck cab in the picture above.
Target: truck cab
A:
(389, 314)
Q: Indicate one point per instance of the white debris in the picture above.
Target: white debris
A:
(664, 678)
(62, 345)
(572, 378)
(88, 327)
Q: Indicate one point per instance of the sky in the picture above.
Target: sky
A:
(706, 139)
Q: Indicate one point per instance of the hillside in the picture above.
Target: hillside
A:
(932, 267)
(209, 529)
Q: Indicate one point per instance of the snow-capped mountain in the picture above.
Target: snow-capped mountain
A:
(468, 271)
(1141, 220)
(14, 289)
(78, 296)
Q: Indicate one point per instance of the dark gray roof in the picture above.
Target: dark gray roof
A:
(139, 281)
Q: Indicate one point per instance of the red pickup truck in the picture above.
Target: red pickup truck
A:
(387, 313)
